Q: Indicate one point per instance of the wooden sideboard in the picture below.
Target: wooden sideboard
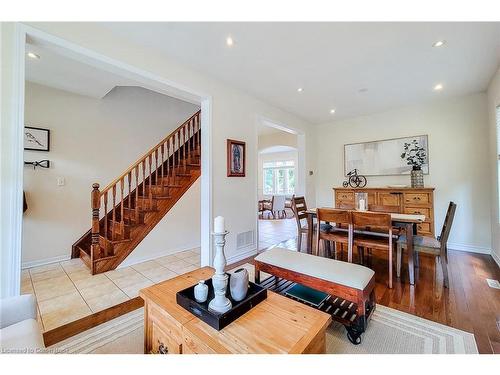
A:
(276, 325)
(408, 200)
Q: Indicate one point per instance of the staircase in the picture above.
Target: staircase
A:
(126, 210)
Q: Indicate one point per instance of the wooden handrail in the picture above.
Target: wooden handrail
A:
(147, 154)
(150, 166)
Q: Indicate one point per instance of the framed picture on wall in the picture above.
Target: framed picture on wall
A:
(36, 139)
(236, 158)
(383, 157)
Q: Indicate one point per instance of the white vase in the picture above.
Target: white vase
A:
(238, 284)
(201, 291)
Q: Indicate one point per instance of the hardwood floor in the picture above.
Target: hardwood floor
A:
(468, 304)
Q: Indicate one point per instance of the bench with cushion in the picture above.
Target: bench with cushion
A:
(341, 280)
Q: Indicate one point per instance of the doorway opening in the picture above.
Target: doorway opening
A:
(280, 177)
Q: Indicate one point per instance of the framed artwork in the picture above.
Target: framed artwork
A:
(383, 158)
(236, 158)
(36, 139)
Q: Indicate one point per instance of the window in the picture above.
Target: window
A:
(279, 177)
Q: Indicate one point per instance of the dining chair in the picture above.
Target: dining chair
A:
(278, 206)
(372, 241)
(267, 206)
(299, 208)
(430, 245)
(334, 234)
(384, 208)
(261, 208)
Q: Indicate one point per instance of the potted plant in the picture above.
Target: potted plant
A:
(415, 155)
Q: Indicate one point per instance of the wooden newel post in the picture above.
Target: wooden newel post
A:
(95, 198)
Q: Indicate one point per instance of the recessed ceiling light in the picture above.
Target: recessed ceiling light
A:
(439, 43)
(300, 89)
(229, 41)
(438, 87)
(33, 55)
(332, 111)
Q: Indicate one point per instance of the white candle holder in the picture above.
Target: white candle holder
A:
(220, 303)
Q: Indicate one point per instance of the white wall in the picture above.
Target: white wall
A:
(179, 230)
(277, 156)
(92, 140)
(458, 154)
(493, 102)
(234, 115)
(277, 139)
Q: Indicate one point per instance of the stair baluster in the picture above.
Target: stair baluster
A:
(96, 203)
(173, 157)
(184, 147)
(129, 180)
(143, 183)
(150, 195)
(191, 138)
(136, 211)
(105, 200)
(162, 151)
(122, 222)
(198, 143)
(114, 213)
(168, 166)
(156, 166)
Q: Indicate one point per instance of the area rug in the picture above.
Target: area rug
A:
(389, 332)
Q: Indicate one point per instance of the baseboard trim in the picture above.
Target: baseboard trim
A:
(43, 262)
(469, 249)
(154, 256)
(496, 258)
(246, 254)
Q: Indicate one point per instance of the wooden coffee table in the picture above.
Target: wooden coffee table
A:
(276, 325)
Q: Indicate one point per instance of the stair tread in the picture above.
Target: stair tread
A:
(114, 242)
(156, 196)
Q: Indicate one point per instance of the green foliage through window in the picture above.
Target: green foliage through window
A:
(279, 177)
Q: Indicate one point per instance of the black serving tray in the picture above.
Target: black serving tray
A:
(255, 295)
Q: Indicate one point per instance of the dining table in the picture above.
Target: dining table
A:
(408, 222)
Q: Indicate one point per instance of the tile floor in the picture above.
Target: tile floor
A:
(272, 232)
(66, 291)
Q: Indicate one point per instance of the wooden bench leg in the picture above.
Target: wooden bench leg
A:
(257, 273)
(365, 306)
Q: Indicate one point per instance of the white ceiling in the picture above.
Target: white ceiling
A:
(395, 62)
(56, 68)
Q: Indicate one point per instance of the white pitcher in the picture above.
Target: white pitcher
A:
(238, 284)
